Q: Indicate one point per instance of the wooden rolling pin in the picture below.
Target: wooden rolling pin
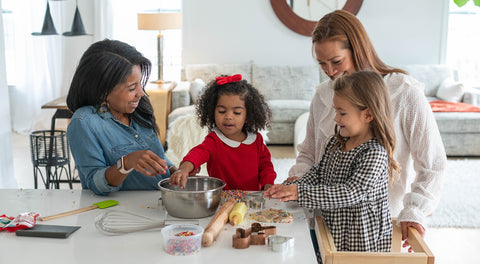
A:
(237, 214)
(217, 223)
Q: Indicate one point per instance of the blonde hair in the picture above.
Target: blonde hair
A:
(366, 89)
(344, 27)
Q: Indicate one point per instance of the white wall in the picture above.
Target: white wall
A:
(232, 31)
(7, 178)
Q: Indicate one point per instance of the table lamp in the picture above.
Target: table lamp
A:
(159, 21)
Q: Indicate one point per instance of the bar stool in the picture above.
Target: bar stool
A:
(50, 150)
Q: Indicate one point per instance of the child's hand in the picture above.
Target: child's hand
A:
(267, 186)
(178, 178)
(282, 192)
(195, 171)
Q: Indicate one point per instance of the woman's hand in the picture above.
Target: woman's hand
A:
(289, 179)
(404, 226)
(282, 192)
(146, 162)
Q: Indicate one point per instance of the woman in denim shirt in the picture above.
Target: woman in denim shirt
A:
(113, 134)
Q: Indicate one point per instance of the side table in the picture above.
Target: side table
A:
(160, 95)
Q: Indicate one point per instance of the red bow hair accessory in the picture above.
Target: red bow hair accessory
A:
(228, 79)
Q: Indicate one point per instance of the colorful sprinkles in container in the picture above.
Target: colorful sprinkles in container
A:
(182, 240)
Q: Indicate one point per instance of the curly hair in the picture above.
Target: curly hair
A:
(258, 112)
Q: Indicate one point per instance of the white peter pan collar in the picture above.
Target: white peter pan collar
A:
(251, 137)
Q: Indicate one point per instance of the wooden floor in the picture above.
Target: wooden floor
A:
(449, 245)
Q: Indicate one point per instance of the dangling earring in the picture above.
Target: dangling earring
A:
(104, 107)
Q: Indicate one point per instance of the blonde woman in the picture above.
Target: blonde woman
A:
(341, 46)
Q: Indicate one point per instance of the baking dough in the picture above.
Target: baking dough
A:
(272, 216)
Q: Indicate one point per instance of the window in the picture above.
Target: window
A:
(463, 42)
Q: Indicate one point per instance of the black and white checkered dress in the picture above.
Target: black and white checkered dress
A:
(351, 190)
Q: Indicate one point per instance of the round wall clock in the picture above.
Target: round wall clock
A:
(302, 15)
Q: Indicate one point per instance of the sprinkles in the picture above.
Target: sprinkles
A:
(237, 195)
(185, 233)
(182, 240)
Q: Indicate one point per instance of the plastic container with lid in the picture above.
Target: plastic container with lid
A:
(182, 239)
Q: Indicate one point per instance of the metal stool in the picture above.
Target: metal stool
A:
(50, 150)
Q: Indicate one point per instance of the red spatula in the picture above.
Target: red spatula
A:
(101, 205)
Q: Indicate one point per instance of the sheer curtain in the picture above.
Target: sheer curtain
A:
(38, 63)
(7, 179)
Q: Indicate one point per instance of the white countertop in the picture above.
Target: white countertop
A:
(88, 245)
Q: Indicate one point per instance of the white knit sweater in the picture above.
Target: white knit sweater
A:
(419, 149)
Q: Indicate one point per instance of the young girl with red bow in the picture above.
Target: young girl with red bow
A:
(233, 111)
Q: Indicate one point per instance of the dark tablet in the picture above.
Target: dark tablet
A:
(55, 231)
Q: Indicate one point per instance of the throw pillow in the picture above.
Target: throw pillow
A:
(196, 89)
(450, 90)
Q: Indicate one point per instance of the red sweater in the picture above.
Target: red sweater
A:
(243, 167)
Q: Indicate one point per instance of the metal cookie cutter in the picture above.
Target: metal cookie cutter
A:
(267, 230)
(255, 235)
(280, 243)
(254, 200)
(241, 239)
(260, 233)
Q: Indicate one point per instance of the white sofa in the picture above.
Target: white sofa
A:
(287, 89)
(460, 131)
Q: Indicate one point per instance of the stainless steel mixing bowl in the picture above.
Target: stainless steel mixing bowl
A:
(200, 198)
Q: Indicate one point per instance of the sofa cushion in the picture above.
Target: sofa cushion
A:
(287, 110)
(451, 90)
(431, 75)
(196, 89)
(208, 72)
(181, 95)
(286, 82)
(280, 133)
(461, 123)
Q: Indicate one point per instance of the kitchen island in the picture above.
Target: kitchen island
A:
(88, 245)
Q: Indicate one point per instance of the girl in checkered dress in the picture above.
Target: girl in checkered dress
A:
(350, 184)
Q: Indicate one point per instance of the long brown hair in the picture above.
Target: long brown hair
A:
(366, 89)
(343, 26)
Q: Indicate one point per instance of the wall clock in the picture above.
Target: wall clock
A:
(305, 13)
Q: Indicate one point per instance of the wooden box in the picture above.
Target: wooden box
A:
(329, 254)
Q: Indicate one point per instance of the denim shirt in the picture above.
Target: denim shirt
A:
(97, 140)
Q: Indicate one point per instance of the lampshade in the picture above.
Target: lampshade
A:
(159, 21)
(77, 26)
(48, 27)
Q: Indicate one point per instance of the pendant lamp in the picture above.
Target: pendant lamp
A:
(77, 26)
(48, 27)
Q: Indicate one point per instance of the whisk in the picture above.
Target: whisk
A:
(115, 222)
